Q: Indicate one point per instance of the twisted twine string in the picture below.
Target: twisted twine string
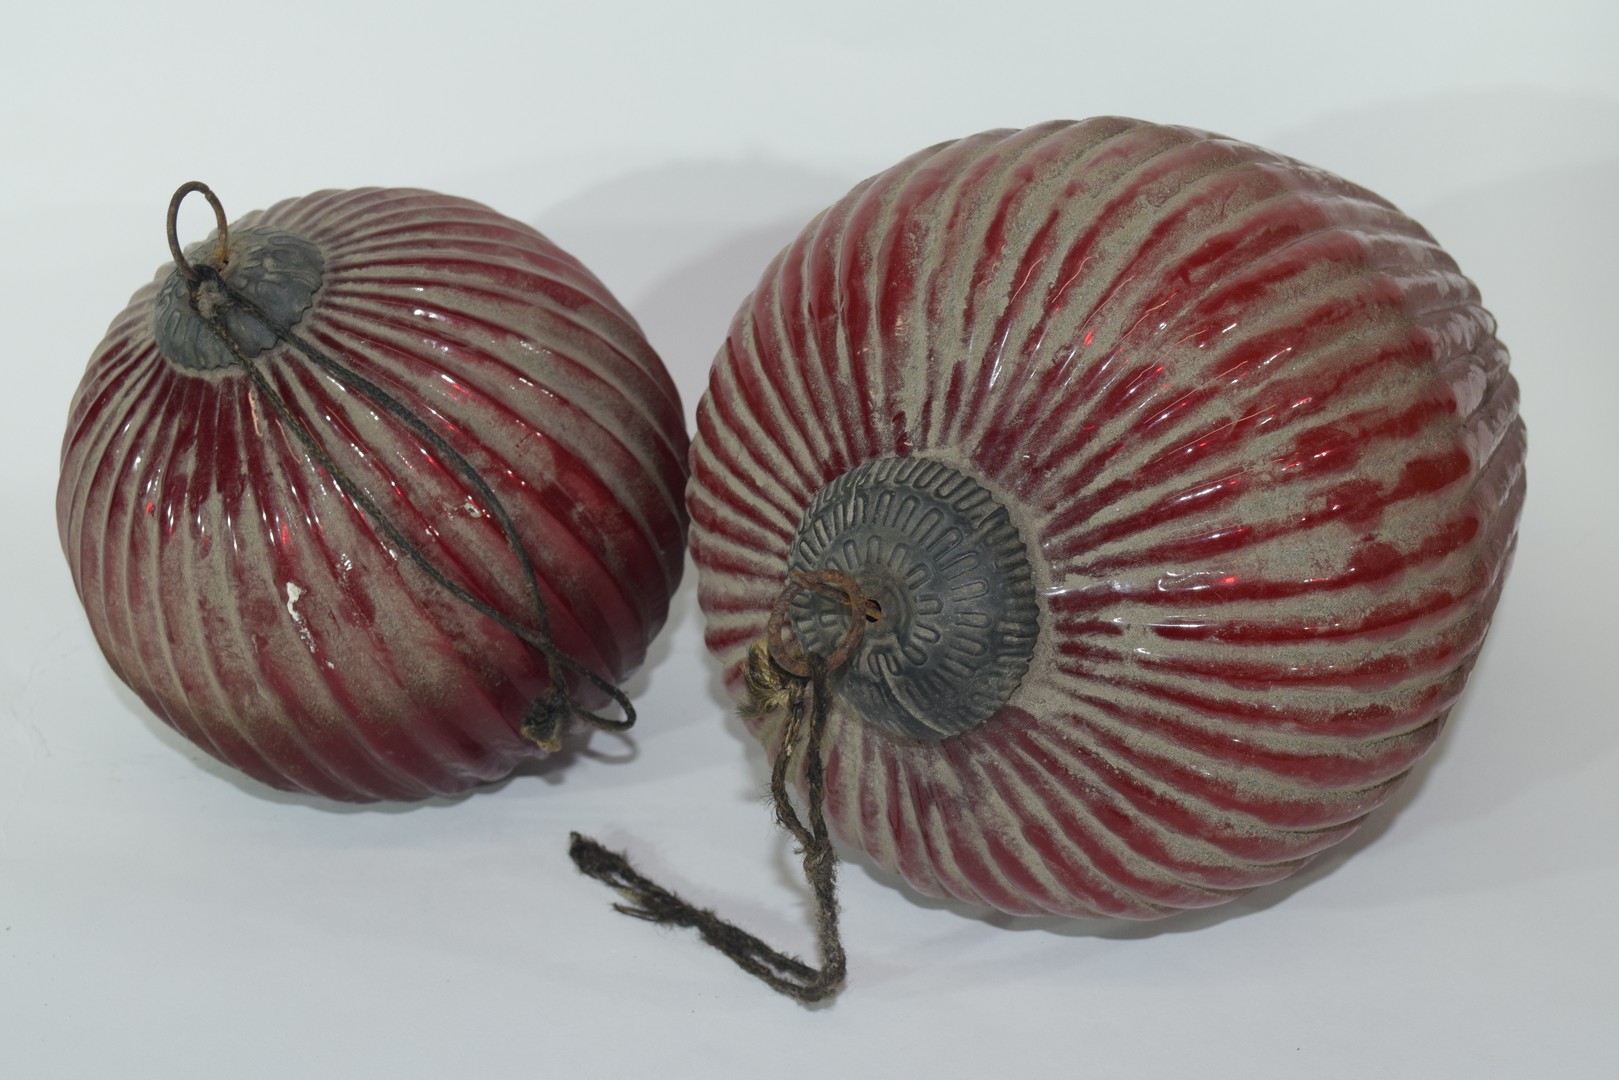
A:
(779, 675)
(210, 296)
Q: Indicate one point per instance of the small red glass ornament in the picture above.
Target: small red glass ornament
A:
(1182, 479)
(362, 478)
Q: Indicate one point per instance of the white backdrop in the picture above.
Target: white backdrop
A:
(162, 917)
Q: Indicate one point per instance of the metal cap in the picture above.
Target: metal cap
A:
(950, 574)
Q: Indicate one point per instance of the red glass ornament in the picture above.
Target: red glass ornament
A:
(237, 585)
(1185, 476)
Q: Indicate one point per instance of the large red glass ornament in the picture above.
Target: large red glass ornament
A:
(1185, 477)
(246, 594)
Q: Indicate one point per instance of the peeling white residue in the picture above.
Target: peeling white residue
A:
(253, 407)
(294, 591)
(471, 508)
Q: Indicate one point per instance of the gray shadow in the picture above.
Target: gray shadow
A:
(681, 245)
(1418, 152)
(1537, 246)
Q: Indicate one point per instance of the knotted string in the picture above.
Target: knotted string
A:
(779, 675)
(210, 296)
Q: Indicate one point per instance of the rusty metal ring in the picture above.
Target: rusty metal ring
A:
(833, 583)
